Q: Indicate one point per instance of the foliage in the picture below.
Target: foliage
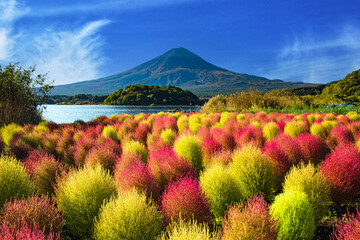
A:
(348, 228)
(295, 216)
(220, 188)
(184, 200)
(14, 181)
(306, 179)
(135, 147)
(21, 94)
(147, 95)
(129, 216)
(188, 230)
(189, 147)
(252, 172)
(38, 210)
(250, 221)
(80, 194)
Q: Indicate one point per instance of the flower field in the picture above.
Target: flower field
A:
(183, 176)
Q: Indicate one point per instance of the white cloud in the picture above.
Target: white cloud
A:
(310, 60)
(68, 55)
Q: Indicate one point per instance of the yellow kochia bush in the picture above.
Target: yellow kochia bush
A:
(189, 147)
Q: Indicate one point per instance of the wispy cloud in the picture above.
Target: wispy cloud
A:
(96, 6)
(67, 55)
(319, 61)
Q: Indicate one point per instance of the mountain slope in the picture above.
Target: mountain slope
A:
(177, 67)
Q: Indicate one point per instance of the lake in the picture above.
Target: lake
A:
(72, 113)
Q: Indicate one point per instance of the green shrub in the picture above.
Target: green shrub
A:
(7, 132)
(252, 172)
(220, 188)
(295, 216)
(194, 123)
(111, 132)
(14, 181)
(135, 147)
(188, 230)
(189, 147)
(168, 135)
(304, 178)
(318, 129)
(80, 195)
(129, 216)
(294, 128)
(329, 124)
(183, 123)
(270, 130)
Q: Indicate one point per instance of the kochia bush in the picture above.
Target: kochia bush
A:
(189, 147)
(304, 178)
(295, 128)
(270, 130)
(38, 210)
(252, 172)
(14, 180)
(188, 230)
(220, 188)
(249, 221)
(313, 148)
(348, 228)
(80, 194)
(295, 216)
(135, 147)
(341, 170)
(184, 200)
(129, 216)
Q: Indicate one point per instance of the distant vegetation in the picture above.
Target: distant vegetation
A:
(79, 99)
(299, 100)
(147, 95)
(21, 94)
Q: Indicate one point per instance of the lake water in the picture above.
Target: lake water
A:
(72, 113)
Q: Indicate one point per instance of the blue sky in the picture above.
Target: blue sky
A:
(71, 40)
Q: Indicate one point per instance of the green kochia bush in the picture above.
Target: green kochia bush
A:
(80, 195)
(189, 147)
(270, 130)
(295, 216)
(135, 147)
(305, 178)
(129, 216)
(220, 188)
(252, 172)
(14, 181)
(188, 230)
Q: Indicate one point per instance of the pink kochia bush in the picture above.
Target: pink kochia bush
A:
(313, 148)
(339, 135)
(25, 232)
(348, 229)
(38, 210)
(138, 176)
(250, 221)
(166, 166)
(184, 200)
(341, 170)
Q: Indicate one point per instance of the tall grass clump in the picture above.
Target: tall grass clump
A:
(250, 220)
(166, 166)
(14, 180)
(129, 216)
(306, 179)
(25, 232)
(135, 147)
(252, 172)
(185, 200)
(347, 228)
(80, 195)
(43, 169)
(295, 216)
(137, 176)
(189, 147)
(270, 130)
(188, 230)
(220, 188)
(38, 210)
(341, 170)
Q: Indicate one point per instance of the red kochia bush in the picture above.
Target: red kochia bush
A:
(210, 146)
(348, 229)
(184, 200)
(339, 135)
(341, 170)
(166, 166)
(141, 132)
(313, 148)
(250, 221)
(224, 138)
(138, 176)
(25, 232)
(38, 210)
(250, 134)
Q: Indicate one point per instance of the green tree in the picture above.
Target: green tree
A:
(21, 94)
